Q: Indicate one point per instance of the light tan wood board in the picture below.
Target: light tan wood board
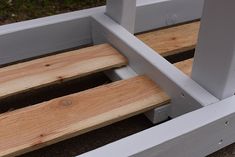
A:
(40, 125)
(49, 122)
(46, 123)
(57, 68)
(185, 66)
(172, 40)
(48, 70)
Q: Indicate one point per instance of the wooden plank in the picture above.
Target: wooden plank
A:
(172, 40)
(185, 66)
(41, 72)
(58, 68)
(49, 122)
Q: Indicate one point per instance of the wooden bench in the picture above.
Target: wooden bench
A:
(36, 126)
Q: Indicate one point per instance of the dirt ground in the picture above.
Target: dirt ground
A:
(21, 10)
(226, 152)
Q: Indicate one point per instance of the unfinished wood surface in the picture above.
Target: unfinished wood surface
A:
(57, 68)
(185, 66)
(49, 122)
(172, 40)
(33, 127)
(40, 125)
(38, 73)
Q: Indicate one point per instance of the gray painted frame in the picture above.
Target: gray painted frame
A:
(37, 37)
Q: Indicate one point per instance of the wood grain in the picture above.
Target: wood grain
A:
(172, 40)
(58, 68)
(43, 124)
(48, 70)
(185, 66)
(49, 122)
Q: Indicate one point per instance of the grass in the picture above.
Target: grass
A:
(20, 10)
